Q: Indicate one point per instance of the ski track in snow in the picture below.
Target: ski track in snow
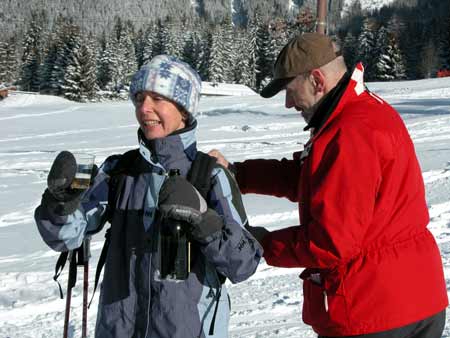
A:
(17, 217)
(268, 305)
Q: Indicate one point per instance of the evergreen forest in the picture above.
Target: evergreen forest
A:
(58, 54)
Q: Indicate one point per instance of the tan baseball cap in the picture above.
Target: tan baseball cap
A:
(302, 54)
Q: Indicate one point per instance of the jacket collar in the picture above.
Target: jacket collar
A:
(352, 87)
(175, 151)
(328, 104)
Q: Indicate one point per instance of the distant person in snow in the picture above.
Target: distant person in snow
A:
(137, 299)
(373, 269)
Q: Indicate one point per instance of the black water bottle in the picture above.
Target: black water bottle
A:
(175, 247)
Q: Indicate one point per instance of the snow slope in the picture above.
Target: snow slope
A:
(34, 128)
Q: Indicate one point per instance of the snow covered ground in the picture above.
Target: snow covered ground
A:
(367, 5)
(34, 128)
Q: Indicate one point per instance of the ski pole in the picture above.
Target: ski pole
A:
(69, 294)
(86, 256)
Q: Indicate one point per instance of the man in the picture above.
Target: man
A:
(372, 267)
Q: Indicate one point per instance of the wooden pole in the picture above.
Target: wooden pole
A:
(321, 23)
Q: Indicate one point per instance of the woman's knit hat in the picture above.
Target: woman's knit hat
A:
(171, 78)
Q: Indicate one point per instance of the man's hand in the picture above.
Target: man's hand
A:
(220, 158)
(258, 232)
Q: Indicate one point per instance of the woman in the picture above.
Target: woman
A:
(136, 300)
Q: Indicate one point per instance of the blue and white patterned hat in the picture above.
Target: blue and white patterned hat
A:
(171, 78)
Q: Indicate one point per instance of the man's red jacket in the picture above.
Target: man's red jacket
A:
(371, 263)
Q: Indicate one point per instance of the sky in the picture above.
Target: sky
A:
(34, 128)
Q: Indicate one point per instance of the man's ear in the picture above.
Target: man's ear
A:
(318, 80)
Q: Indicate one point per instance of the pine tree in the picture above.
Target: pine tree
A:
(8, 61)
(428, 66)
(396, 56)
(349, 47)
(280, 34)
(217, 70)
(390, 64)
(106, 65)
(366, 47)
(412, 45)
(12, 61)
(382, 71)
(243, 71)
(265, 56)
(445, 46)
(253, 55)
(54, 50)
(72, 74)
(221, 56)
(3, 67)
(396, 26)
(230, 49)
(127, 54)
(31, 57)
(203, 64)
(192, 50)
(117, 61)
(69, 39)
(88, 70)
(139, 43)
(174, 40)
(80, 78)
(150, 43)
(160, 42)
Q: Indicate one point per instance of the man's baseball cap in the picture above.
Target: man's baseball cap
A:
(302, 54)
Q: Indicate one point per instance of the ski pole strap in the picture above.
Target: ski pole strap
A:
(101, 263)
(72, 269)
(213, 321)
(60, 263)
(86, 249)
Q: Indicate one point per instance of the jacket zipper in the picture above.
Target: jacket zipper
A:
(325, 300)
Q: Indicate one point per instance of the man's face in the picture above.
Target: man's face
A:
(301, 95)
(157, 116)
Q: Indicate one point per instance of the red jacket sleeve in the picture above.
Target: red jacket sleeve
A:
(343, 177)
(269, 177)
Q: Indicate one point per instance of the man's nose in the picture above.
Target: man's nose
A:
(288, 102)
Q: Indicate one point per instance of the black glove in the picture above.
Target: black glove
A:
(59, 197)
(179, 200)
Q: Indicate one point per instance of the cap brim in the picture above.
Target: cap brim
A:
(274, 87)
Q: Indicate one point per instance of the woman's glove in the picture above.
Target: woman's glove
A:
(179, 200)
(59, 197)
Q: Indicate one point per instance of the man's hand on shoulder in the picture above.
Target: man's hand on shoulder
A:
(220, 158)
(258, 232)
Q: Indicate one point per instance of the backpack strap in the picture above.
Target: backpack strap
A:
(101, 262)
(200, 176)
(200, 173)
(116, 183)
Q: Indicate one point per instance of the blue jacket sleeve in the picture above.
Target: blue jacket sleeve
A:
(62, 233)
(233, 251)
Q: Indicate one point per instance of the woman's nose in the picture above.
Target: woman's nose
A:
(147, 103)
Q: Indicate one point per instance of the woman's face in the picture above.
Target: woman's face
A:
(157, 116)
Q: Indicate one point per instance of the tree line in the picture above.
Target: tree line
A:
(68, 61)
(401, 42)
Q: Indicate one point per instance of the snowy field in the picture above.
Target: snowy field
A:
(34, 128)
